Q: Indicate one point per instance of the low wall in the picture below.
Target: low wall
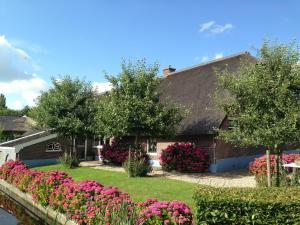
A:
(235, 163)
(47, 214)
(40, 162)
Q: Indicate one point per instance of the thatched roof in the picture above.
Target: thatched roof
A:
(194, 87)
(26, 138)
(15, 123)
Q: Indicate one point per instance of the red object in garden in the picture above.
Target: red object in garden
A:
(259, 165)
(185, 157)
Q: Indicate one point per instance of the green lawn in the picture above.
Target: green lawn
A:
(138, 188)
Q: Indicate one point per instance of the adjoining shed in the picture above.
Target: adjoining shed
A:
(42, 148)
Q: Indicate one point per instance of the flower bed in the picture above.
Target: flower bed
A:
(88, 202)
(184, 157)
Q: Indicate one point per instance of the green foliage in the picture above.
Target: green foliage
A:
(69, 161)
(136, 167)
(138, 162)
(8, 135)
(68, 107)
(265, 98)
(2, 101)
(247, 205)
(133, 107)
(4, 111)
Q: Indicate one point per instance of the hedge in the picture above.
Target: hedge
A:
(247, 205)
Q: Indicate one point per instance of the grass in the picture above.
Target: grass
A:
(139, 188)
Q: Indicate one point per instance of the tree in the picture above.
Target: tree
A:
(3, 101)
(68, 107)
(264, 102)
(133, 107)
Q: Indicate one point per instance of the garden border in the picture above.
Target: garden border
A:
(47, 214)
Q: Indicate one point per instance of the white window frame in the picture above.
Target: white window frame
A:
(148, 146)
(56, 147)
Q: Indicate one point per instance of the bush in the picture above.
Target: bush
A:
(184, 157)
(136, 167)
(46, 183)
(247, 205)
(69, 161)
(164, 212)
(138, 164)
(116, 153)
(259, 168)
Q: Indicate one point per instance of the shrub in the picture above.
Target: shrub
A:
(164, 212)
(116, 153)
(184, 157)
(43, 185)
(136, 167)
(247, 205)
(138, 164)
(259, 168)
(69, 161)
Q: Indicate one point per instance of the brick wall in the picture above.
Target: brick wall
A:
(38, 151)
(224, 150)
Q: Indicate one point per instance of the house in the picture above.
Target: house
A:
(193, 88)
(42, 147)
(12, 127)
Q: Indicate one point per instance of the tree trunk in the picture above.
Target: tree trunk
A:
(136, 139)
(71, 147)
(268, 168)
(277, 165)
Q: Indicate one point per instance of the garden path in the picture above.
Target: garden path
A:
(237, 178)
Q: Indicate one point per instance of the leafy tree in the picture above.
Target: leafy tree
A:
(68, 107)
(265, 100)
(133, 107)
(2, 102)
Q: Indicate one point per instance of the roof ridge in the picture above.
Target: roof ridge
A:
(24, 137)
(208, 63)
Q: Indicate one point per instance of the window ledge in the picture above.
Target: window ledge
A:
(152, 153)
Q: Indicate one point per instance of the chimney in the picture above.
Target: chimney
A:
(168, 70)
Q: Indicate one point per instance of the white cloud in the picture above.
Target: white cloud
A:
(206, 26)
(101, 86)
(18, 81)
(204, 58)
(219, 55)
(214, 28)
(220, 29)
(207, 58)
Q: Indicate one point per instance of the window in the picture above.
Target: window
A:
(53, 147)
(151, 145)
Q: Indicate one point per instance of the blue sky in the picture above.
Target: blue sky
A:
(42, 39)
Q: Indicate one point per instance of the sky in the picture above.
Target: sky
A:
(86, 39)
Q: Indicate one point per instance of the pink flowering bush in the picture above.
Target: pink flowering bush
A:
(164, 212)
(184, 157)
(258, 167)
(46, 183)
(88, 202)
(116, 153)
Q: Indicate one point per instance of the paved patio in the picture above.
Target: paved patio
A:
(237, 178)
